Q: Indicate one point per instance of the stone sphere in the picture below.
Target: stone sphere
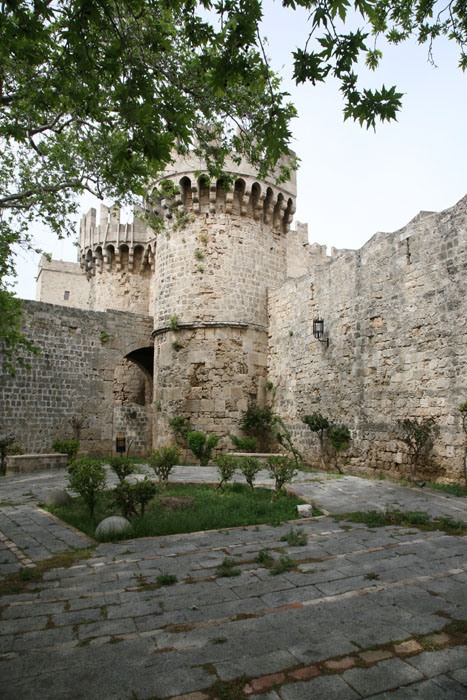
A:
(57, 497)
(305, 510)
(115, 524)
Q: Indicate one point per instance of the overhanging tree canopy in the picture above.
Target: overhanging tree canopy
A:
(96, 94)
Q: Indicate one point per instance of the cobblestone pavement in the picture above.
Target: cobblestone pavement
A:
(378, 614)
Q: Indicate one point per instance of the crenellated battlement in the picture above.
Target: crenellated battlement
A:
(195, 193)
(111, 245)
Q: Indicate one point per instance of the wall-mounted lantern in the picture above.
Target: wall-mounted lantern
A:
(318, 331)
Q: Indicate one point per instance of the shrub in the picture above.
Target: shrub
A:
(244, 444)
(418, 434)
(226, 466)
(129, 496)
(282, 470)
(68, 447)
(249, 466)
(122, 466)
(201, 445)
(256, 422)
(163, 461)
(87, 477)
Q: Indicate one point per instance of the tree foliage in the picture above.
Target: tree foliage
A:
(96, 95)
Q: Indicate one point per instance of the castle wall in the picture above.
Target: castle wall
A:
(208, 376)
(63, 283)
(122, 291)
(395, 313)
(75, 375)
(217, 269)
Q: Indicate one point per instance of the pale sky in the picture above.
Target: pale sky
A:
(352, 182)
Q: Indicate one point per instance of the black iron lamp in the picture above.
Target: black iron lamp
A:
(318, 331)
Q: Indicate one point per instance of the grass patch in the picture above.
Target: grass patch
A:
(236, 505)
(264, 558)
(18, 581)
(418, 519)
(228, 690)
(284, 564)
(295, 538)
(226, 569)
(452, 489)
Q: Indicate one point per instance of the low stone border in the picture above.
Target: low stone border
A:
(25, 464)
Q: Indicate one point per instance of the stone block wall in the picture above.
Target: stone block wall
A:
(217, 269)
(209, 377)
(73, 375)
(62, 283)
(395, 313)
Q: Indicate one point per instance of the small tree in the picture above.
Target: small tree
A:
(69, 447)
(226, 466)
(201, 445)
(319, 424)
(129, 496)
(77, 424)
(339, 437)
(163, 461)
(284, 438)
(282, 470)
(418, 434)
(122, 466)
(249, 466)
(87, 477)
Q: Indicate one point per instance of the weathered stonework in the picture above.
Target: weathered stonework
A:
(226, 293)
(72, 376)
(395, 313)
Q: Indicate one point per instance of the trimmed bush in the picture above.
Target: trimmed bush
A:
(249, 466)
(226, 466)
(68, 447)
(201, 445)
(87, 477)
(122, 466)
(282, 470)
(163, 461)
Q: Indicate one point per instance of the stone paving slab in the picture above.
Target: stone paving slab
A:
(103, 629)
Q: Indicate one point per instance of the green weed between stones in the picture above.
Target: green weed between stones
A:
(228, 690)
(237, 505)
(295, 538)
(418, 519)
(226, 569)
(19, 581)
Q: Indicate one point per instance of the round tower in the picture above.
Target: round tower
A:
(118, 260)
(221, 249)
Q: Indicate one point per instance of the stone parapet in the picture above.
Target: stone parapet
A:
(24, 464)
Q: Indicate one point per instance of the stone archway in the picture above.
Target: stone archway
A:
(132, 392)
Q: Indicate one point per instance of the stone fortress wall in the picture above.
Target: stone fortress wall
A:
(77, 374)
(395, 313)
(230, 292)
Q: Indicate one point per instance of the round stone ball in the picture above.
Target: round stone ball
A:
(57, 497)
(305, 510)
(115, 524)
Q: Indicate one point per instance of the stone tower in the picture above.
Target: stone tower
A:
(221, 250)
